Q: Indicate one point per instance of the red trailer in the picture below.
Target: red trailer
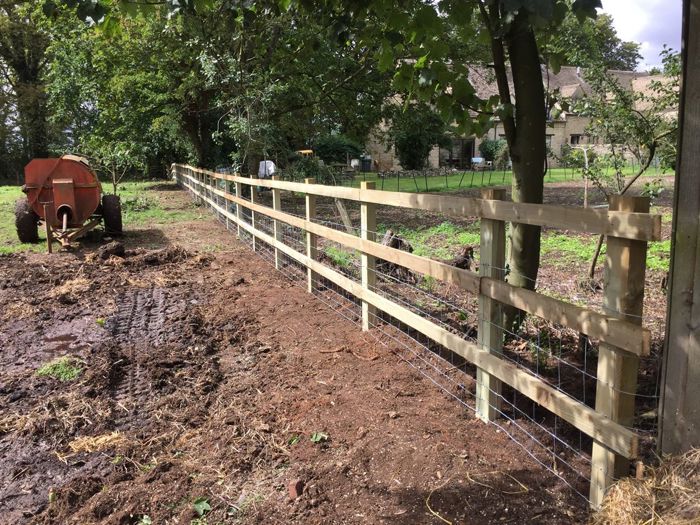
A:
(66, 196)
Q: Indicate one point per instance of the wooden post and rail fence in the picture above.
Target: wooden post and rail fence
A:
(627, 225)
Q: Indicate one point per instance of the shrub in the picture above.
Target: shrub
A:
(414, 132)
(489, 148)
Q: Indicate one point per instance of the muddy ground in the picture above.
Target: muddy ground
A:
(204, 377)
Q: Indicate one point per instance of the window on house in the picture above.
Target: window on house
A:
(548, 141)
(576, 140)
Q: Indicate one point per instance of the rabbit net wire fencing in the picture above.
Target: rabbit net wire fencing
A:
(558, 355)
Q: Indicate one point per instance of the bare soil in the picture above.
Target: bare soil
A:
(205, 375)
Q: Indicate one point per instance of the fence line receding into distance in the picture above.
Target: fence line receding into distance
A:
(622, 340)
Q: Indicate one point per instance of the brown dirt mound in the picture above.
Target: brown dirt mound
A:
(668, 494)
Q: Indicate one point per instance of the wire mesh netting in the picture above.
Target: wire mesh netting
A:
(563, 358)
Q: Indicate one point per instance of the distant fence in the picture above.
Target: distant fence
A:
(622, 340)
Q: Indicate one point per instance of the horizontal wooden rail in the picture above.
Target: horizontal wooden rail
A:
(601, 428)
(622, 334)
(628, 225)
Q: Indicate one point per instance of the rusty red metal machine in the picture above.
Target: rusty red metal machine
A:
(65, 195)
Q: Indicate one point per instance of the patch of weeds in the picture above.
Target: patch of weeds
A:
(659, 255)
(293, 440)
(201, 506)
(145, 520)
(539, 355)
(211, 248)
(146, 467)
(319, 437)
(64, 369)
(569, 248)
(101, 321)
(438, 242)
(340, 258)
(138, 203)
(428, 283)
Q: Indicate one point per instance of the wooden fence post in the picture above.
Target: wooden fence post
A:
(492, 261)
(253, 200)
(368, 263)
(276, 225)
(239, 215)
(311, 239)
(625, 269)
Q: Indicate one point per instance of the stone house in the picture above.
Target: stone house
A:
(564, 128)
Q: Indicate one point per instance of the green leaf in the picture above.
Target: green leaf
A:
(386, 57)
(201, 506)
(420, 63)
(319, 437)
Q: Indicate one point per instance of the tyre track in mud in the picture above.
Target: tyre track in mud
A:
(138, 323)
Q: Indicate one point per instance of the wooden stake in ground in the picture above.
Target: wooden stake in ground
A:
(239, 211)
(368, 229)
(311, 239)
(490, 335)
(625, 270)
(276, 225)
(253, 199)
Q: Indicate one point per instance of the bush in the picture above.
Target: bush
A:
(489, 148)
(414, 132)
(336, 148)
(502, 159)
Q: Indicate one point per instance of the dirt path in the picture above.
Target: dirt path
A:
(204, 377)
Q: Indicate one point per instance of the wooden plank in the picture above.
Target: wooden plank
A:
(276, 226)
(622, 334)
(625, 272)
(601, 428)
(368, 263)
(492, 258)
(640, 226)
(311, 239)
(679, 411)
(344, 216)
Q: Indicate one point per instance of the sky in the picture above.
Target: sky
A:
(652, 23)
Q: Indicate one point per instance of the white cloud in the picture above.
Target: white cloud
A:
(652, 23)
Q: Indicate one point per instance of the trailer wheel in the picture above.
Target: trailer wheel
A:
(26, 222)
(112, 214)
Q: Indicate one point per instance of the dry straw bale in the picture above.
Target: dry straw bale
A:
(669, 494)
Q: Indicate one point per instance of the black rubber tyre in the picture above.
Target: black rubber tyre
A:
(112, 214)
(26, 222)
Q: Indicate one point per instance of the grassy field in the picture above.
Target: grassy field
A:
(464, 180)
(141, 206)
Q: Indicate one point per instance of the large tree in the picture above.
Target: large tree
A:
(22, 61)
(590, 43)
(415, 42)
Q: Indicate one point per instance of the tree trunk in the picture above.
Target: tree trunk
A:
(31, 106)
(528, 153)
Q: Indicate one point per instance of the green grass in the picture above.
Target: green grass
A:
(563, 250)
(141, 207)
(438, 242)
(64, 369)
(340, 257)
(465, 180)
